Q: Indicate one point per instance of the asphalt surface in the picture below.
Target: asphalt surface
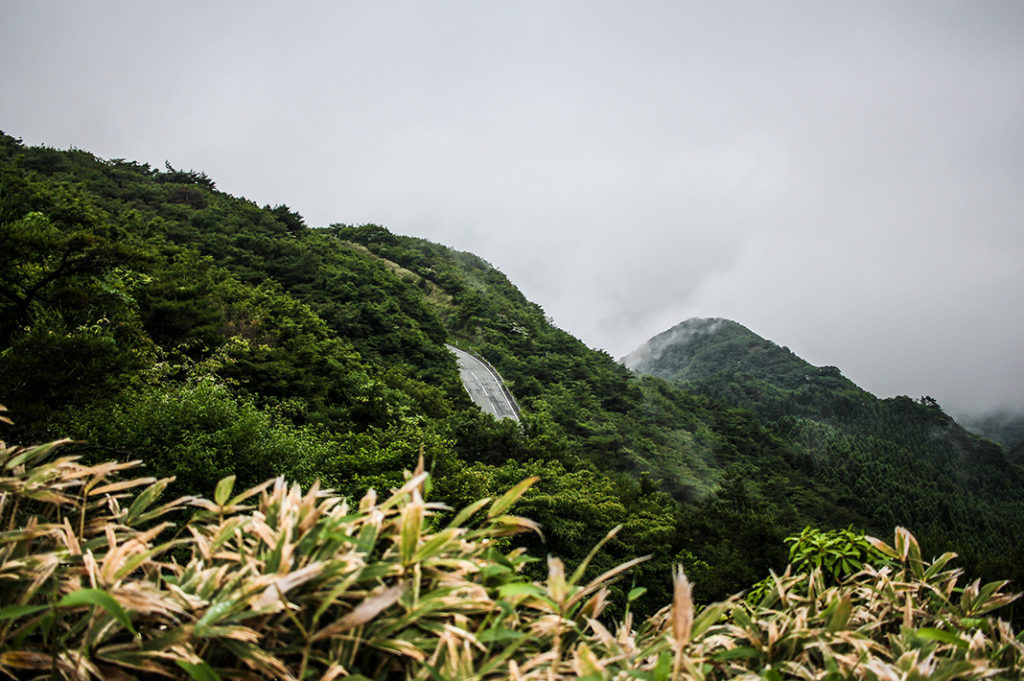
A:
(485, 386)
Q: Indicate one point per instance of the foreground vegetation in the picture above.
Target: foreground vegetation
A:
(100, 578)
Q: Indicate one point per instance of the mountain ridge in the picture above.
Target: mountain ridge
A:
(683, 354)
(209, 336)
(883, 447)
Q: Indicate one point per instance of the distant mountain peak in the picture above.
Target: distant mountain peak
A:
(698, 348)
(680, 335)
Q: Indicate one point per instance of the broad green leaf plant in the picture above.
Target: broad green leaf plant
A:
(101, 579)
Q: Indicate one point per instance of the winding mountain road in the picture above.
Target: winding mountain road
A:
(485, 386)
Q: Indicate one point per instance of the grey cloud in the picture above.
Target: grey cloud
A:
(843, 178)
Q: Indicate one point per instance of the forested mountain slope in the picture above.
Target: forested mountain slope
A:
(704, 351)
(151, 316)
(1004, 427)
(899, 460)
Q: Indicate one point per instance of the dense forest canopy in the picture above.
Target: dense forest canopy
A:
(147, 315)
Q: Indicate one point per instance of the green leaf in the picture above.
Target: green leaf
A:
(492, 555)
(502, 503)
(366, 538)
(499, 634)
(577, 574)
(841, 612)
(200, 671)
(931, 634)
(98, 598)
(223, 491)
(736, 654)
(937, 565)
(494, 571)
(955, 669)
(635, 593)
(663, 667)
(981, 604)
(411, 525)
(435, 544)
(13, 612)
(213, 613)
(144, 500)
(460, 519)
(709, 616)
(434, 673)
(639, 674)
(35, 452)
(520, 589)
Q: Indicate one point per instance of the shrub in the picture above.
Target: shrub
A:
(98, 579)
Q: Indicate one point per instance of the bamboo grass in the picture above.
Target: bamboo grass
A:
(99, 579)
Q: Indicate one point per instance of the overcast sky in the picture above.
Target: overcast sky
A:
(845, 178)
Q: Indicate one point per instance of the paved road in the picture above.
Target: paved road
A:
(485, 387)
